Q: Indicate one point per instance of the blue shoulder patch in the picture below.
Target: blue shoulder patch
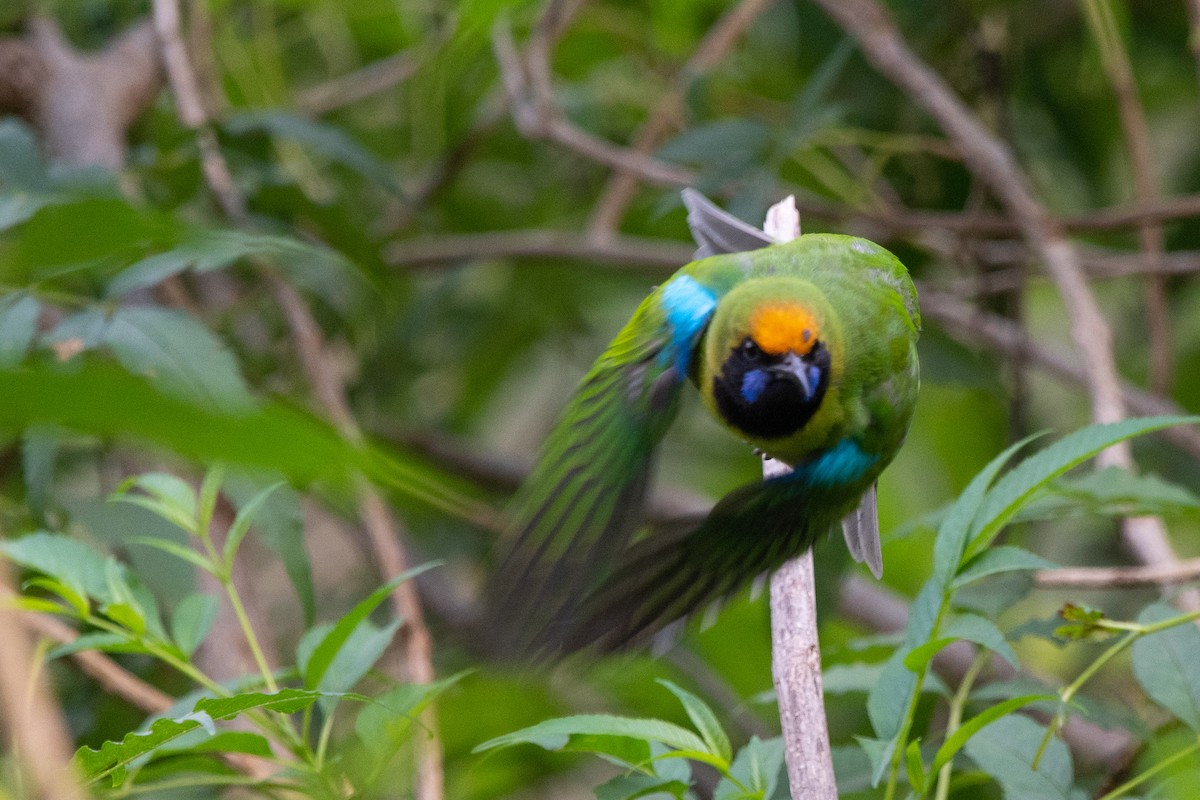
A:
(844, 463)
(689, 307)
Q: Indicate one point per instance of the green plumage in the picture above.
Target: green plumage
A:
(835, 406)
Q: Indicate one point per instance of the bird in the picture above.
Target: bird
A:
(806, 350)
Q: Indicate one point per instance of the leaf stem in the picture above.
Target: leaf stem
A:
(957, 704)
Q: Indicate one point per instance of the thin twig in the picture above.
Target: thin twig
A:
(1183, 571)
(344, 90)
(668, 109)
(537, 116)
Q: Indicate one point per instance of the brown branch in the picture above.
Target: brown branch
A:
(1118, 577)
(41, 740)
(668, 110)
(324, 378)
(82, 104)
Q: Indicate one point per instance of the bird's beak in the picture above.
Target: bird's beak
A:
(802, 370)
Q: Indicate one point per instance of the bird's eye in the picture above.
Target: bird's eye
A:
(751, 350)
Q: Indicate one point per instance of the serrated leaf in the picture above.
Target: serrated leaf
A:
(326, 651)
(1005, 750)
(113, 757)
(704, 719)
(192, 620)
(959, 738)
(18, 327)
(997, 560)
(285, 701)
(1167, 664)
(1017, 487)
(554, 734)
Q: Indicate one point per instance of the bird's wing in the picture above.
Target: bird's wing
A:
(682, 568)
(861, 529)
(716, 231)
(585, 497)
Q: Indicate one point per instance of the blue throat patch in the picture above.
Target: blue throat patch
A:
(844, 463)
(753, 383)
(689, 307)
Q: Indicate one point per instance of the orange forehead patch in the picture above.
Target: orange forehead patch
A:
(779, 327)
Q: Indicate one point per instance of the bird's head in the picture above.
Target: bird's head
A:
(770, 357)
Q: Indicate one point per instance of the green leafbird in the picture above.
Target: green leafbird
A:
(805, 349)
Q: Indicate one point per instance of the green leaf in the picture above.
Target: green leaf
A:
(180, 353)
(206, 501)
(285, 701)
(631, 787)
(21, 162)
(915, 766)
(956, 524)
(555, 734)
(39, 450)
(1016, 488)
(1005, 750)
(241, 523)
(103, 642)
(1116, 490)
(982, 632)
(114, 757)
(180, 551)
(67, 560)
(279, 523)
(959, 738)
(103, 400)
(360, 652)
(704, 719)
(166, 495)
(325, 652)
(1167, 664)
(192, 620)
(879, 753)
(18, 327)
(996, 560)
(73, 596)
(756, 767)
(384, 722)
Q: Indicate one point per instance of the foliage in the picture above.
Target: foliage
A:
(141, 344)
